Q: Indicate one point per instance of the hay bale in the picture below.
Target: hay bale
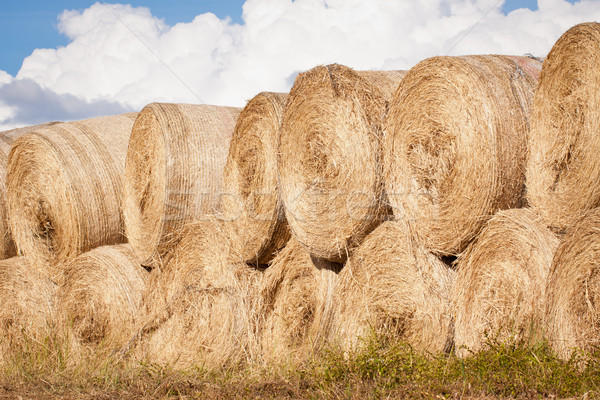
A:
(173, 171)
(64, 188)
(201, 308)
(251, 202)
(393, 286)
(7, 245)
(329, 157)
(456, 144)
(28, 309)
(564, 169)
(100, 294)
(499, 290)
(296, 291)
(573, 289)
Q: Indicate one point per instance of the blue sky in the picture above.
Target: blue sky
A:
(67, 60)
(32, 24)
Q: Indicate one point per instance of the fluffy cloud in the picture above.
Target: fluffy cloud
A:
(121, 58)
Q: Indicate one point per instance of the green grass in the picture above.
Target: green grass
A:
(384, 368)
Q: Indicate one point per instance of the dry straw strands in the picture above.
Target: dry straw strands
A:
(7, 245)
(573, 289)
(329, 157)
(393, 286)
(173, 171)
(564, 168)
(201, 309)
(499, 290)
(297, 291)
(101, 293)
(64, 188)
(455, 144)
(28, 309)
(251, 202)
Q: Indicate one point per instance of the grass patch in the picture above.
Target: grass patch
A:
(382, 368)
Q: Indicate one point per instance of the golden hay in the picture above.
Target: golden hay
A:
(100, 294)
(499, 290)
(201, 308)
(251, 202)
(329, 157)
(173, 171)
(64, 188)
(296, 291)
(28, 299)
(393, 286)
(573, 289)
(564, 167)
(456, 144)
(7, 245)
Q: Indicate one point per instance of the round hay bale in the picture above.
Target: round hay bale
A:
(28, 309)
(251, 203)
(296, 291)
(329, 157)
(392, 286)
(573, 289)
(499, 290)
(100, 294)
(564, 169)
(456, 145)
(173, 171)
(64, 188)
(201, 308)
(7, 245)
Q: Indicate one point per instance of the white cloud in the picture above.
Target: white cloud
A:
(122, 57)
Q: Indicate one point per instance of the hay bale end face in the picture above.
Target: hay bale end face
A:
(456, 144)
(100, 294)
(202, 307)
(499, 290)
(564, 169)
(329, 157)
(64, 188)
(173, 171)
(573, 289)
(392, 286)
(251, 204)
(297, 292)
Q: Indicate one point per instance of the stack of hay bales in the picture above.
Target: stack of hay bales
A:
(173, 172)
(251, 203)
(100, 295)
(456, 145)
(64, 186)
(329, 157)
(499, 291)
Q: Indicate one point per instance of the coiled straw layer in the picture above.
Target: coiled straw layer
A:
(173, 172)
(202, 307)
(329, 157)
(251, 203)
(564, 167)
(101, 293)
(64, 188)
(456, 144)
(499, 290)
(573, 289)
(393, 286)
